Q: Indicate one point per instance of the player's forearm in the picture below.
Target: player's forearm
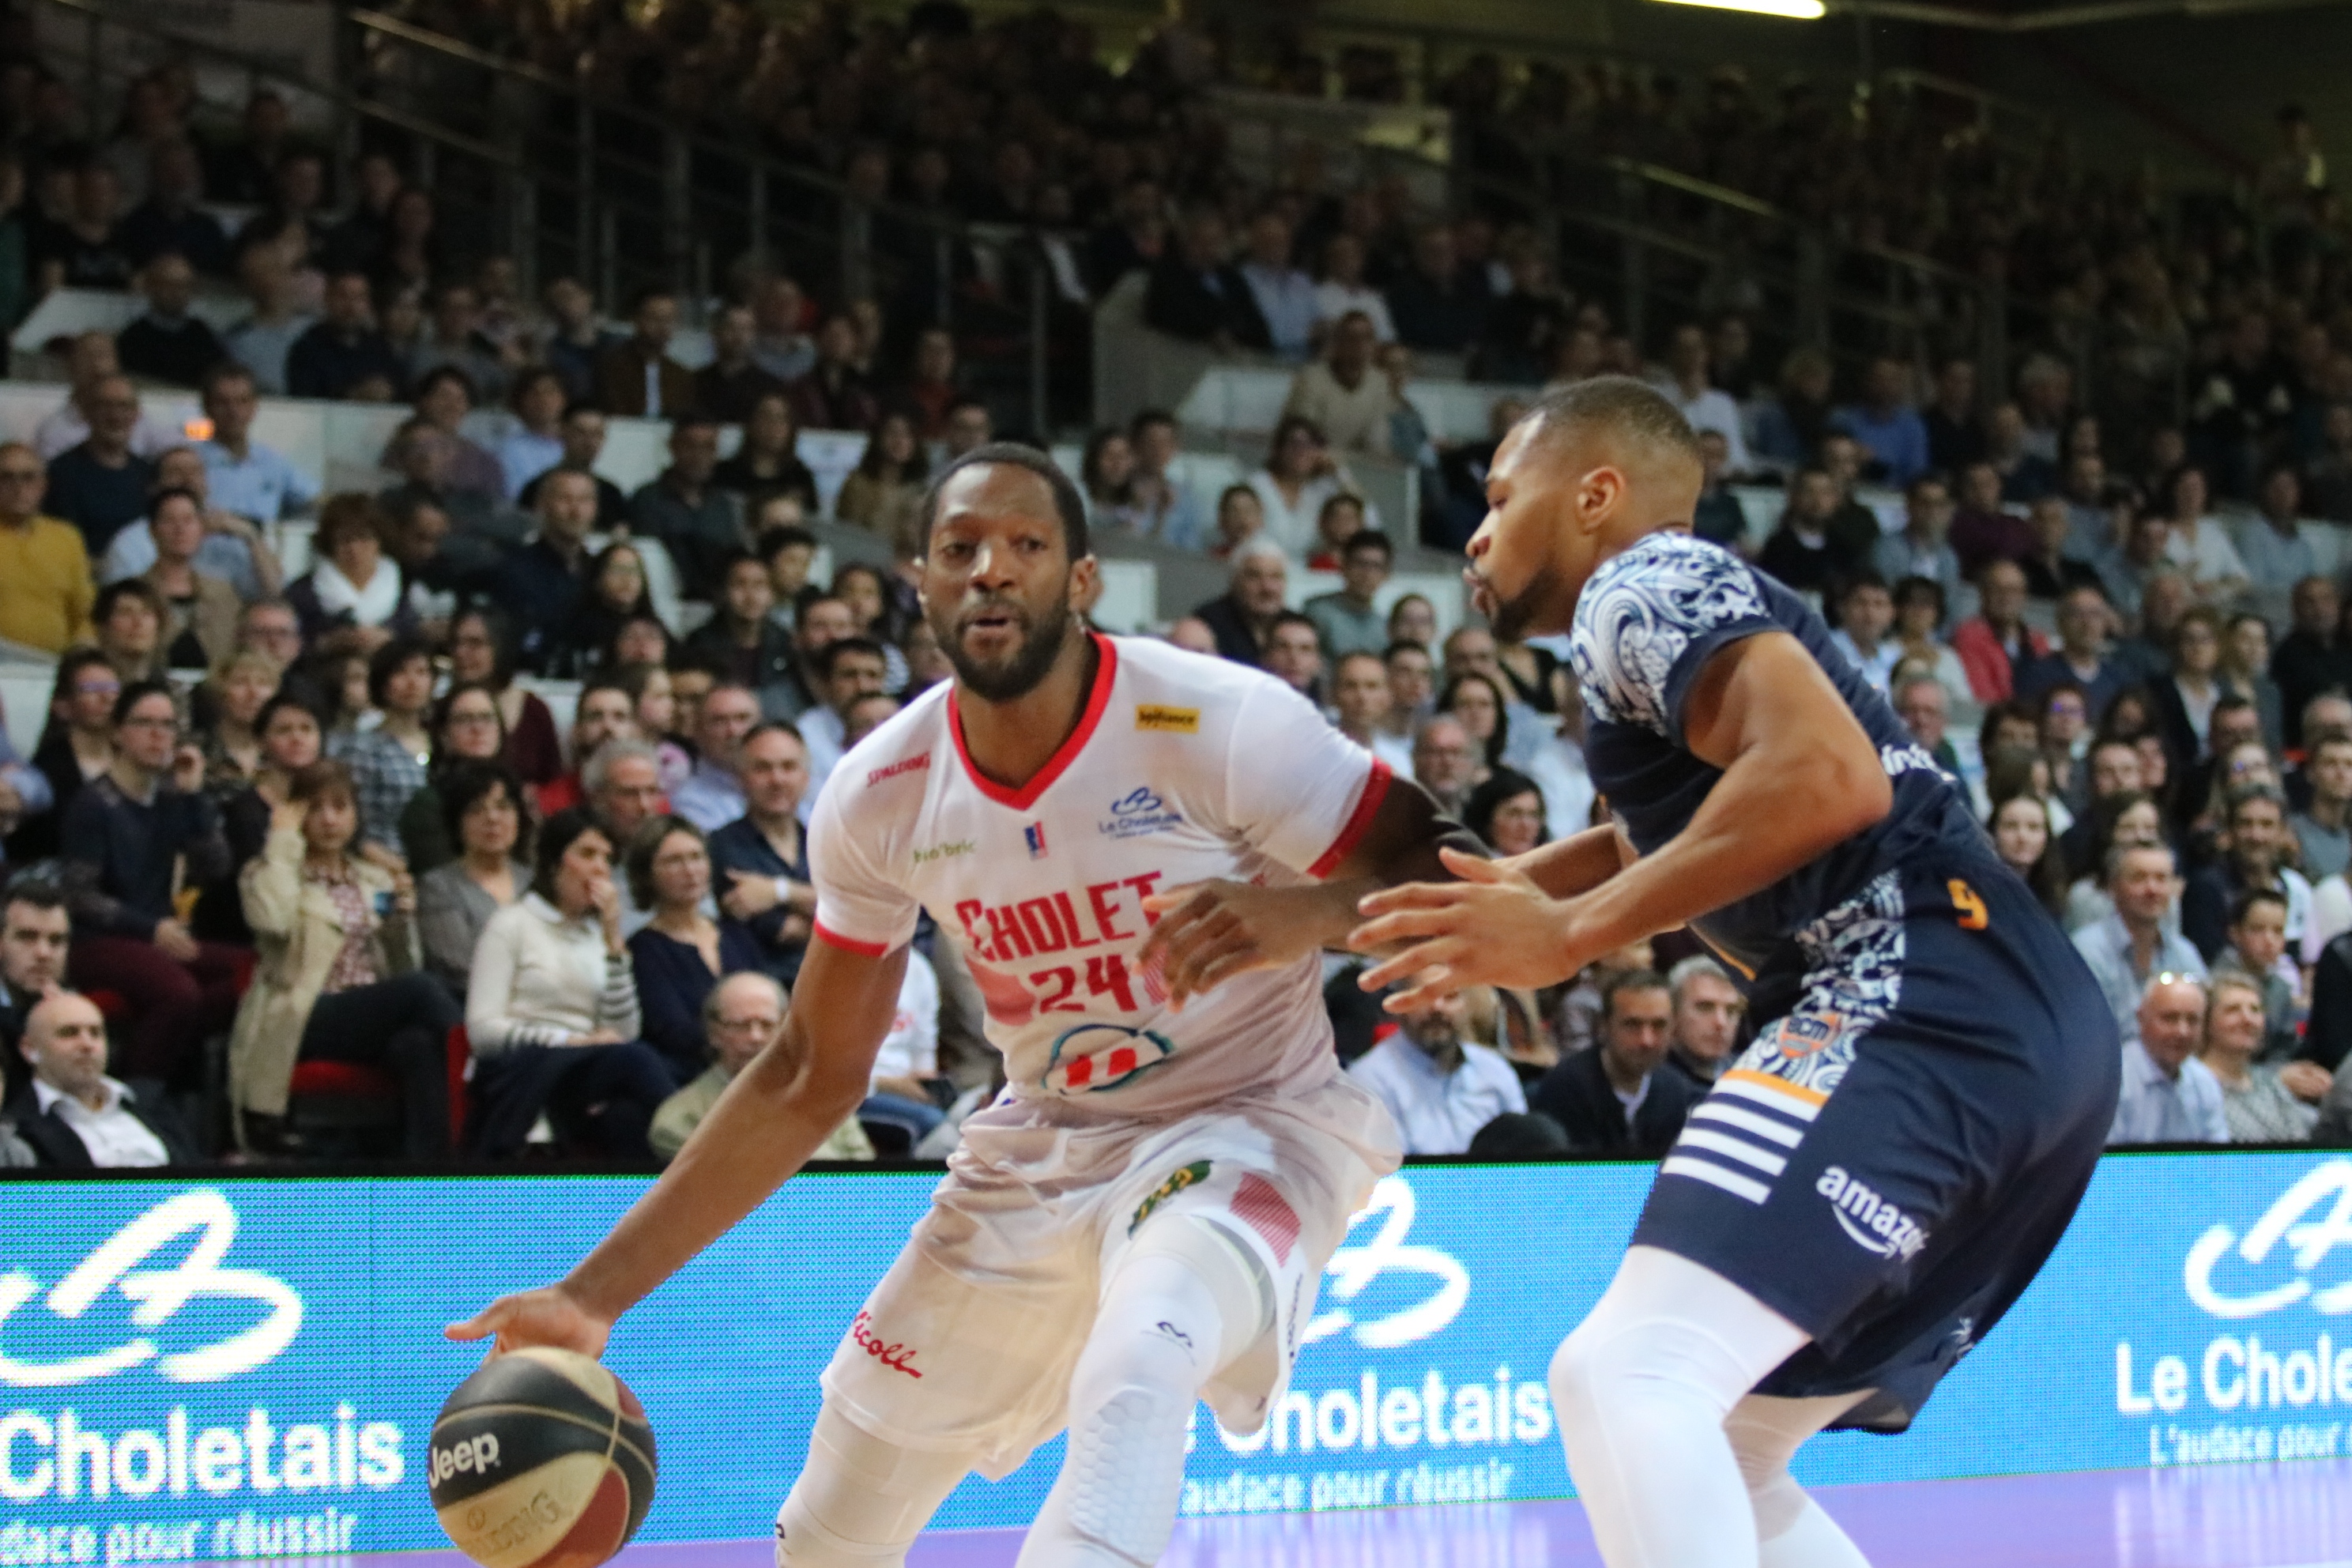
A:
(1744, 838)
(1576, 864)
(767, 1125)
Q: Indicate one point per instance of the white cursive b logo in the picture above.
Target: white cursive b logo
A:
(157, 1293)
(2310, 1240)
(1353, 1269)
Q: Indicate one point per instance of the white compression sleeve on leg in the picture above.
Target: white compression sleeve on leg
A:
(860, 1501)
(1765, 1434)
(1642, 1389)
(1183, 1302)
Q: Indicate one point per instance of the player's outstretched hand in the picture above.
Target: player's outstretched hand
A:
(1208, 932)
(547, 1316)
(1494, 927)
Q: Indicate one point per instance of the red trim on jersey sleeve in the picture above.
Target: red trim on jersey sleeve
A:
(1097, 702)
(847, 944)
(1360, 822)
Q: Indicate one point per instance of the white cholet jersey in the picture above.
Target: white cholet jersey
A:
(1182, 768)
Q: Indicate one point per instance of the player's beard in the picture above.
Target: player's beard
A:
(1517, 618)
(1020, 672)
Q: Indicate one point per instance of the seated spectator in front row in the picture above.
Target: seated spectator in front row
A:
(338, 977)
(759, 860)
(2266, 1102)
(743, 1016)
(680, 952)
(481, 810)
(72, 1114)
(2168, 1096)
(1708, 1012)
(1618, 1097)
(127, 837)
(552, 1012)
(1439, 1087)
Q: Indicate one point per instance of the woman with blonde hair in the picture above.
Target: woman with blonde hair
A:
(2260, 1107)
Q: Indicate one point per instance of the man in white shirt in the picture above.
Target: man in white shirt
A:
(848, 669)
(233, 548)
(1707, 407)
(1439, 1087)
(73, 1115)
(1343, 288)
(2168, 1096)
(89, 364)
(712, 796)
(1285, 295)
(1865, 615)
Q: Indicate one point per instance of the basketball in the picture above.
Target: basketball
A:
(541, 1460)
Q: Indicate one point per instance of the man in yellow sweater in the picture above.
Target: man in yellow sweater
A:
(46, 590)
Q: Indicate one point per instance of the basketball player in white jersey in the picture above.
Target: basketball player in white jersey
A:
(1139, 852)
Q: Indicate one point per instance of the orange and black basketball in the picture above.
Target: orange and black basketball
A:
(541, 1460)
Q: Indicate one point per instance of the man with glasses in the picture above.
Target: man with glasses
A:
(123, 842)
(101, 484)
(44, 585)
(741, 1016)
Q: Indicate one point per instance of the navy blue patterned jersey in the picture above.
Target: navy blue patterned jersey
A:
(1648, 623)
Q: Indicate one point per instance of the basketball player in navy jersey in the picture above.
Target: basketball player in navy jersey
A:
(1866, 1192)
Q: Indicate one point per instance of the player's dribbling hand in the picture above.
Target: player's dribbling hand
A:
(1210, 931)
(1494, 927)
(547, 1316)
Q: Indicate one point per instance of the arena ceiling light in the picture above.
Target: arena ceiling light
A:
(1801, 10)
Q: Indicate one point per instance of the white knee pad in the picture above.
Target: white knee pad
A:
(1237, 1283)
(860, 1501)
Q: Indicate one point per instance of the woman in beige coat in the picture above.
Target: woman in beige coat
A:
(337, 977)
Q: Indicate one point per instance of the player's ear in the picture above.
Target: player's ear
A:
(1086, 583)
(1597, 497)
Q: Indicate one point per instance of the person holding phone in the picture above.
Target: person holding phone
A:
(339, 976)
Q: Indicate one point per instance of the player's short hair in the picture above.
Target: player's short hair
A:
(1069, 505)
(1697, 966)
(1618, 404)
(1617, 986)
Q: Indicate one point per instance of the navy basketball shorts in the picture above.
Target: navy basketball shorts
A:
(1893, 1159)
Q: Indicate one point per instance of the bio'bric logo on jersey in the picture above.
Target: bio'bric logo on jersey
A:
(1138, 812)
(157, 1295)
(2276, 1264)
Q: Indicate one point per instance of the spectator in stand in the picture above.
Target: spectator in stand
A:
(1800, 551)
(1348, 619)
(2083, 655)
(1106, 482)
(534, 443)
(1620, 1097)
(1283, 295)
(2256, 845)
(1716, 517)
(86, 251)
(34, 935)
(739, 639)
(1294, 655)
(285, 737)
(767, 464)
(699, 524)
(1922, 548)
(726, 388)
(552, 1010)
(241, 475)
(1445, 761)
(605, 711)
(2020, 829)
(344, 352)
(1343, 289)
(1240, 521)
(780, 345)
(101, 484)
(1955, 435)
(1363, 706)
(128, 623)
(1343, 394)
(242, 170)
(388, 763)
(1436, 308)
(1791, 426)
(74, 1115)
(233, 549)
(584, 443)
(1709, 1014)
(2140, 941)
(413, 256)
(337, 977)
(125, 840)
(575, 338)
(454, 340)
(352, 599)
(1889, 428)
(2258, 951)
(2050, 570)
(846, 668)
(970, 427)
(2272, 543)
(165, 343)
(45, 592)
(1439, 1086)
(2168, 1096)
(2327, 476)
(1865, 614)
(1339, 520)
(713, 796)
(481, 809)
(360, 238)
(91, 363)
(883, 494)
(467, 728)
(540, 583)
(76, 745)
(834, 393)
(200, 610)
(482, 646)
(2257, 1101)
(1196, 294)
(680, 952)
(1242, 620)
(2245, 668)
(444, 397)
(2323, 829)
(2127, 571)
(1300, 475)
(2200, 542)
(637, 377)
(1982, 529)
(1701, 404)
